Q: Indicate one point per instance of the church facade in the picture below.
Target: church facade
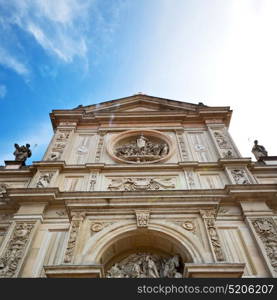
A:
(139, 187)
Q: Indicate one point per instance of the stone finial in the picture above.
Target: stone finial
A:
(258, 150)
(21, 153)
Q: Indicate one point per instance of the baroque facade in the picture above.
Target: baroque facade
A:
(139, 187)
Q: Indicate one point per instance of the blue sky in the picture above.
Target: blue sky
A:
(57, 54)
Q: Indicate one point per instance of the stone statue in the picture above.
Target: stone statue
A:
(21, 153)
(258, 150)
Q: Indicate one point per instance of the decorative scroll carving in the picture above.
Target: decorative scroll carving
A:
(44, 180)
(181, 142)
(99, 146)
(240, 176)
(75, 226)
(209, 220)
(143, 217)
(14, 252)
(228, 154)
(59, 145)
(95, 227)
(141, 184)
(146, 265)
(266, 230)
(142, 149)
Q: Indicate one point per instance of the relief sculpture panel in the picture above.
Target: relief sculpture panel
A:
(142, 183)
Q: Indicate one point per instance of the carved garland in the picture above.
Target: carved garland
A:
(10, 260)
(209, 220)
(266, 230)
(239, 176)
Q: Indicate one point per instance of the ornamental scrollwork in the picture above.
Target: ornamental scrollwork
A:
(10, 260)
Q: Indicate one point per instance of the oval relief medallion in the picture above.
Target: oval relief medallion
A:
(141, 146)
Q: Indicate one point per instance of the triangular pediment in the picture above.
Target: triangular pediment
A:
(141, 103)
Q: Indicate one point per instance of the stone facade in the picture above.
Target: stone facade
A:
(139, 187)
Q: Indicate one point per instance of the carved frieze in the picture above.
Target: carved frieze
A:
(44, 179)
(266, 230)
(209, 220)
(13, 254)
(59, 144)
(142, 217)
(239, 176)
(146, 265)
(141, 184)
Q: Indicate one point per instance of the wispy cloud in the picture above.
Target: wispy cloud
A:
(3, 91)
(59, 27)
(12, 62)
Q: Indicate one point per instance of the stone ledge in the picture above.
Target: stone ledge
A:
(74, 271)
(214, 270)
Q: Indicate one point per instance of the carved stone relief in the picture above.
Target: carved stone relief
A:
(189, 225)
(44, 179)
(189, 175)
(59, 144)
(99, 146)
(209, 220)
(82, 149)
(223, 142)
(3, 187)
(141, 149)
(142, 217)
(266, 230)
(181, 142)
(239, 176)
(141, 184)
(13, 254)
(74, 229)
(146, 265)
(92, 182)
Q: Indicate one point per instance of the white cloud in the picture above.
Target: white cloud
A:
(58, 26)
(3, 91)
(11, 62)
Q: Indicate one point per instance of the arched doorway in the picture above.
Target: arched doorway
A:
(144, 253)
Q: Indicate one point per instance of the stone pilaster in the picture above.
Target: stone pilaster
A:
(76, 222)
(209, 221)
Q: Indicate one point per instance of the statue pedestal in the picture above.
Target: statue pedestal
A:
(13, 164)
(269, 160)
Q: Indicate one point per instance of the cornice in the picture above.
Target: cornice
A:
(169, 198)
